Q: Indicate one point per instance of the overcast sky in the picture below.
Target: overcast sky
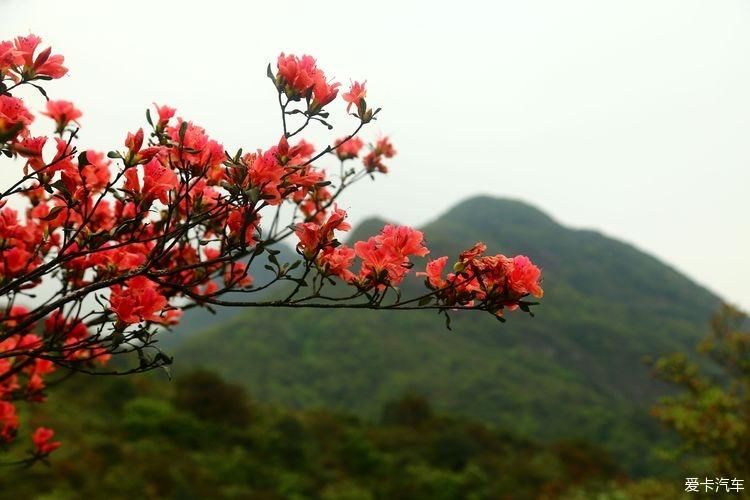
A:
(628, 117)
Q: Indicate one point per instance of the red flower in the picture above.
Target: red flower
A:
(374, 159)
(385, 148)
(265, 173)
(297, 74)
(31, 149)
(346, 150)
(403, 240)
(165, 114)
(45, 64)
(63, 112)
(434, 273)
(42, 443)
(14, 118)
(355, 95)
(236, 275)
(313, 237)
(323, 92)
(95, 173)
(337, 261)
(8, 421)
(8, 56)
(158, 180)
(385, 257)
(524, 277)
(140, 300)
(134, 142)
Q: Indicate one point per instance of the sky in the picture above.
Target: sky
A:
(630, 118)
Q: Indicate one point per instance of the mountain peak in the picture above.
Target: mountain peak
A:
(484, 210)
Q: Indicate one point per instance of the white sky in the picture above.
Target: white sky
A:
(629, 117)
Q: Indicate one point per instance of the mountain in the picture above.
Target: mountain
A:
(575, 370)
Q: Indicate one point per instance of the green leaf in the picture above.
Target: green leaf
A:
(425, 300)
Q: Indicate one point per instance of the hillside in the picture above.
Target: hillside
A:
(576, 370)
(202, 438)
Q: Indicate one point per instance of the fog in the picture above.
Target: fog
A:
(630, 118)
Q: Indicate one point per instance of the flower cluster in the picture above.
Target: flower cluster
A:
(171, 219)
(300, 77)
(495, 281)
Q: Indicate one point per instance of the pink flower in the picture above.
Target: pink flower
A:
(355, 95)
(42, 443)
(63, 112)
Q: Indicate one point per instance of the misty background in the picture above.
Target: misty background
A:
(630, 118)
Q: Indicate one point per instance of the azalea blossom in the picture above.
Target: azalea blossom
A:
(355, 95)
(348, 149)
(63, 112)
(42, 441)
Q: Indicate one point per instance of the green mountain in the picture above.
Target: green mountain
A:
(574, 371)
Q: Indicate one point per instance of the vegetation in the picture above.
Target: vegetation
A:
(201, 437)
(574, 372)
(712, 412)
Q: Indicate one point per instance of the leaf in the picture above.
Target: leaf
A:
(83, 160)
(447, 320)
(148, 117)
(425, 300)
(183, 129)
(54, 211)
(60, 186)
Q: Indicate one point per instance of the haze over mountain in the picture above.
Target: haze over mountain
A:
(575, 370)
